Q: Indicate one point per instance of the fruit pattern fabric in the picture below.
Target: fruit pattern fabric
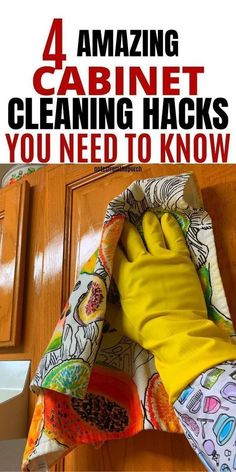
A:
(93, 383)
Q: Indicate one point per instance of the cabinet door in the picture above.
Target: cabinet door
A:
(77, 201)
(13, 226)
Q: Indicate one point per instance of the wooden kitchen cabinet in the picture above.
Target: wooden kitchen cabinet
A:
(67, 206)
(13, 236)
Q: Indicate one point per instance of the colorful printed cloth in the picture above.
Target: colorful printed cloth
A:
(207, 412)
(94, 384)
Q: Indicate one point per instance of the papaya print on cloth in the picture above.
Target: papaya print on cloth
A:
(94, 384)
(69, 420)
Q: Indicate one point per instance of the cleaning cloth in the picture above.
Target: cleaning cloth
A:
(93, 383)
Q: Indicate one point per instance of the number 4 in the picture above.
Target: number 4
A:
(55, 35)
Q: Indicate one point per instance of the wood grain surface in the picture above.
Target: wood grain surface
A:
(67, 206)
(14, 215)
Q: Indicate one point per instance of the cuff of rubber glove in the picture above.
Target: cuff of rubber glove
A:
(177, 374)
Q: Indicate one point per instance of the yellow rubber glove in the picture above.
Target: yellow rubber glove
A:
(163, 307)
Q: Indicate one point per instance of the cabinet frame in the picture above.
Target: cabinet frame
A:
(14, 205)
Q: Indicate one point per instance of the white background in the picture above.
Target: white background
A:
(206, 37)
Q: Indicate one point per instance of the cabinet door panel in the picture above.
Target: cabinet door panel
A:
(77, 201)
(86, 200)
(87, 213)
(13, 214)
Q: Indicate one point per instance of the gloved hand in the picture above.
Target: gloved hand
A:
(163, 307)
